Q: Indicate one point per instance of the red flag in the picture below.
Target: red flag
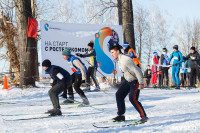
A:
(32, 27)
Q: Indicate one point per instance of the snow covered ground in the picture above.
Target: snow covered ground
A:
(175, 111)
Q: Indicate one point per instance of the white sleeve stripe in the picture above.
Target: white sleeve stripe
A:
(60, 76)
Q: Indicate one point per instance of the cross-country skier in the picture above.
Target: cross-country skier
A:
(183, 72)
(164, 68)
(132, 84)
(178, 58)
(194, 57)
(154, 68)
(131, 53)
(92, 66)
(188, 75)
(61, 81)
(79, 75)
(147, 75)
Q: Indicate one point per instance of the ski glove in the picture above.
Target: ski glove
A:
(78, 54)
(83, 81)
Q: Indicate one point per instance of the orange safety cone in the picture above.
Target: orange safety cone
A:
(5, 84)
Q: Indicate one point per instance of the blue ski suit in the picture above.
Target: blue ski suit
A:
(178, 58)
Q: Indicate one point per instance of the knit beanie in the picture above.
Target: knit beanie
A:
(67, 52)
(126, 44)
(155, 53)
(46, 63)
(91, 44)
(192, 48)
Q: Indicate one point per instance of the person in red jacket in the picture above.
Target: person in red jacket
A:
(154, 68)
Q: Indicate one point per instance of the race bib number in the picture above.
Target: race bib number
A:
(176, 58)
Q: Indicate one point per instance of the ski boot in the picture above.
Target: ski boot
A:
(177, 87)
(56, 112)
(119, 118)
(49, 111)
(97, 88)
(64, 95)
(143, 120)
(85, 102)
(68, 101)
(87, 89)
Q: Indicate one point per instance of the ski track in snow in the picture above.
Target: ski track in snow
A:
(169, 111)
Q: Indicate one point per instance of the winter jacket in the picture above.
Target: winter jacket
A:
(92, 56)
(164, 60)
(194, 59)
(155, 62)
(177, 56)
(147, 73)
(131, 53)
(188, 65)
(54, 70)
(183, 68)
(130, 70)
(77, 66)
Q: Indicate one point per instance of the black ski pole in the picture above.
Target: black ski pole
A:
(98, 70)
(101, 90)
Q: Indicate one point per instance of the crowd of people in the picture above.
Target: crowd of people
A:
(187, 67)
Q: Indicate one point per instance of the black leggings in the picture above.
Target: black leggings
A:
(92, 73)
(56, 90)
(77, 80)
(131, 88)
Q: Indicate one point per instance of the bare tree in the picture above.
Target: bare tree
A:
(141, 26)
(179, 36)
(163, 35)
(28, 46)
(188, 34)
(196, 33)
(151, 34)
(125, 12)
(7, 40)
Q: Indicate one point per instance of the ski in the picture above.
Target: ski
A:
(80, 105)
(40, 117)
(111, 124)
(4, 103)
(60, 104)
(32, 118)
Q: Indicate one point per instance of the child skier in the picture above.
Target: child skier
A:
(178, 58)
(92, 66)
(61, 81)
(147, 75)
(183, 72)
(132, 84)
(79, 75)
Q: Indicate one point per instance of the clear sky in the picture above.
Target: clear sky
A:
(178, 10)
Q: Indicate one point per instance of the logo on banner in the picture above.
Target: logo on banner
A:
(106, 64)
(46, 27)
